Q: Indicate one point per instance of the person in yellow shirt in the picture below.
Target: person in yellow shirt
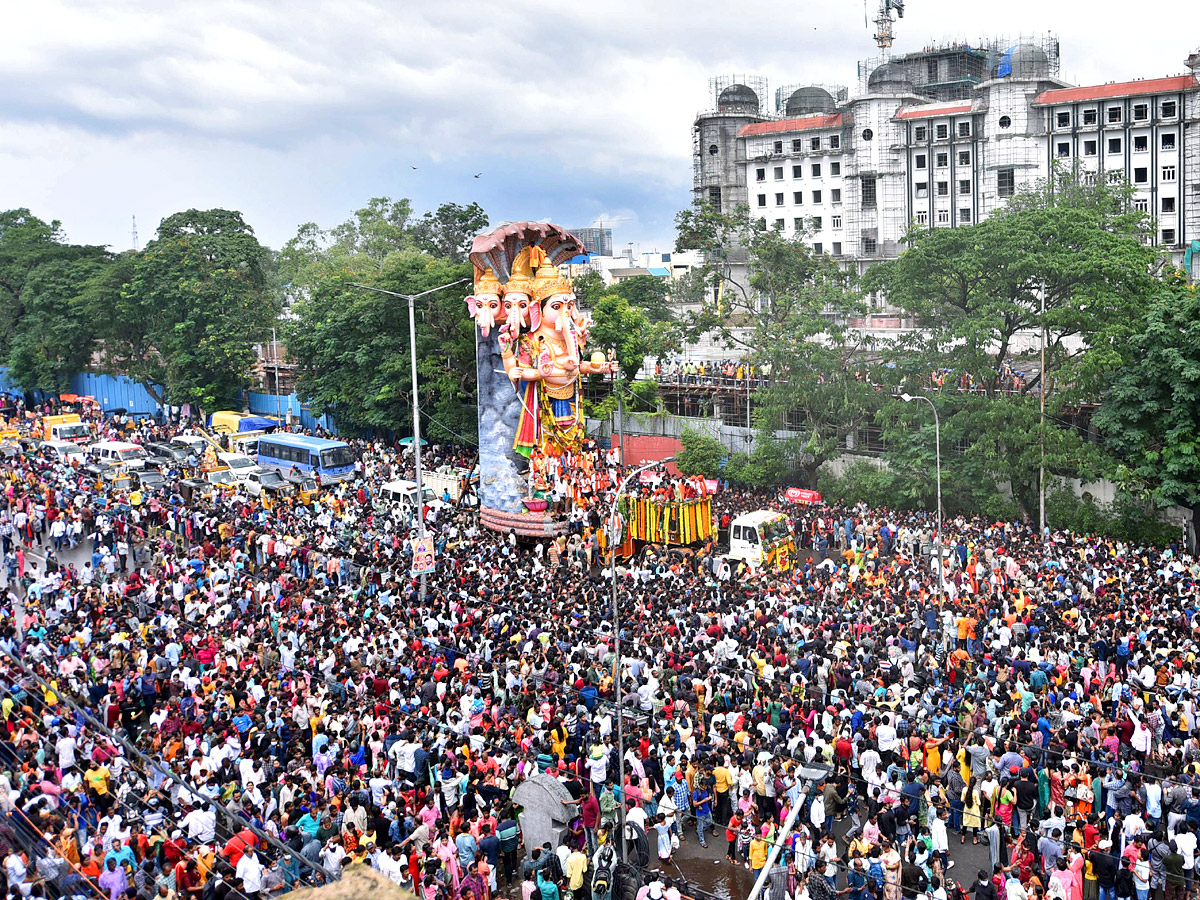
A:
(758, 855)
(97, 777)
(722, 784)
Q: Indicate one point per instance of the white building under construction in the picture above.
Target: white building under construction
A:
(943, 137)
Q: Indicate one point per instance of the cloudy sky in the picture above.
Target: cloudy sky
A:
(300, 111)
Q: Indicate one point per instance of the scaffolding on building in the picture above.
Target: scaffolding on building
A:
(746, 94)
(952, 70)
(806, 99)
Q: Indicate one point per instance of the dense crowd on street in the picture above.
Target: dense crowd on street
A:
(227, 700)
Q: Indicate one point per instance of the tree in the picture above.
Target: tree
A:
(193, 307)
(55, 336)
(789, 316)
(974, 292)
(588, 288)
(646, 293)
(701, 454)
(618, 325)
(1150, 413)
(448, 232)
(27, 242)
(351, 346)
(376, 231)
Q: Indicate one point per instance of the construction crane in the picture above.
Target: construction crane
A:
(885, 32)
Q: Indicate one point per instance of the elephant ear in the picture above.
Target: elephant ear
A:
(535, 315)
(472, 306)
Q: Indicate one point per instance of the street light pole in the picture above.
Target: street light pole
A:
(937, 544)
(614, 534)
(416, 403)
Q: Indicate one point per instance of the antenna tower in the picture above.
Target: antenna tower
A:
(133, 233)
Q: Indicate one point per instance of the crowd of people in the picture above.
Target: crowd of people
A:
(224, 700)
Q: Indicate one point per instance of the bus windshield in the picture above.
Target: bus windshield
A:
(336, 458)
(73, 430)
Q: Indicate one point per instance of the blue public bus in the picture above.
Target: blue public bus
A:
(332, 460)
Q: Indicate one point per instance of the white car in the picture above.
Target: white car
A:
(269, 481)
(240, 466)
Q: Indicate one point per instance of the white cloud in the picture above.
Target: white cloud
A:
(288, 103)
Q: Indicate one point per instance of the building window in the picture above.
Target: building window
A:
(1089, 148)
(1141, 112)
(835, 141)
(964, 214)
(816, 170)
(779, 199)
(920, 160)
(1168, 141)
(835, 168)
(835, 195)
(1168, 204)
(798, 223)
(779, 224)
(797, 145)
(1114, 114)
(919, 133)
(1167, 109)
(922, 217)
(1005, 122)
(713, 150)
(1064, 120)
(1141, 143)
(762, 199)
(797, 171)
(943, 160)
(1114, 145)
(922, 189)
(760, 174)
(867, 134)
(816, 196)
(1168, 173)
(964, 157)
(798, 198)
(763, 222)
(943, 132)
(714, 197)
(815, 143)
(779, 146)
(1063, 149)
(964, 129)
(943, 188)
(868, 193)
(964, 186)
(837, 248)
(1006, 181)
(869, 246)
(1141, 175)
(817, 249)
(1168, 236)
(1089, 178)
(943, 217)
(1114, 177)
(778, 173)
(1141, 205)
(835, 222)
(1089, 117)
(816, 223)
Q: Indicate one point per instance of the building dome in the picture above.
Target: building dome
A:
(1024, 61)
(808, 100)
(888, 79)
(737, 98)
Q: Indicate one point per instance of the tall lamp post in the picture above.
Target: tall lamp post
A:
(416, 405)
(614, 536)
(937, 544)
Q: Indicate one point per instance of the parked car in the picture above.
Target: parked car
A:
(268, 481)
(173, 454)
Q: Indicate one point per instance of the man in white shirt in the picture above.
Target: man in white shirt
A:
(250, 871)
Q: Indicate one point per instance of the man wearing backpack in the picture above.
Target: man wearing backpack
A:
(602, 878)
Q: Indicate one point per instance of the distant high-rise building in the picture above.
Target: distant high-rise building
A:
(597, 241)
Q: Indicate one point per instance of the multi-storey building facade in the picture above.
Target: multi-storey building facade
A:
(943, 138)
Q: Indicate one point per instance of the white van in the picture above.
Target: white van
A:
(118, 452)
(764, 533)
(239, 466)
(66, 451)
(402, 494)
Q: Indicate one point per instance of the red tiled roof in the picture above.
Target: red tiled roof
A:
(805, 123)
(1120, 89)
(931, 110)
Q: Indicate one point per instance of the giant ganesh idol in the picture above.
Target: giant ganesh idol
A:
(531, 358)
